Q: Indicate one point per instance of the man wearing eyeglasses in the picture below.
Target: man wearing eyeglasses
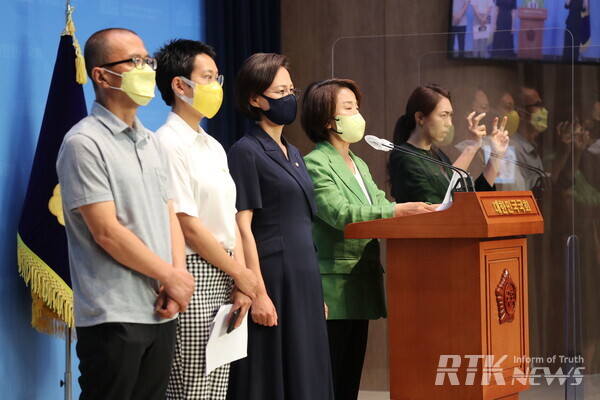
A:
(533, 118)
(126, 249)
(204, 200)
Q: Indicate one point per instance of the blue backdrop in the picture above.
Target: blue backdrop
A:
(32, 364)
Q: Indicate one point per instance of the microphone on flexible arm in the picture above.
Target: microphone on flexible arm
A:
(386, 145)
(541, 174)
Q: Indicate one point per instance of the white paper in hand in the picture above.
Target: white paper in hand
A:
(223, 348)
(448, 198)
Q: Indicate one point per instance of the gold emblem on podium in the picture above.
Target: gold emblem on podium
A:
(506, 298)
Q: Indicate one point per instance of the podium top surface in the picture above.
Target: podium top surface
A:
(532, 13)
(472, 215)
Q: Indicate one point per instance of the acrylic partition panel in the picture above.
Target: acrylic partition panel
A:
(553, 112)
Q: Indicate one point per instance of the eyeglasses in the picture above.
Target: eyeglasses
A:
(138, 62)
(206, 81)
(285, 92)
(212, 78)
(536, 104)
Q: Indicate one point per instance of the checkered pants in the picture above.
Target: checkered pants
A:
(187, 380)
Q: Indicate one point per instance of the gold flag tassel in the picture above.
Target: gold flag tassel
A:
(80, 74)
(52, 306)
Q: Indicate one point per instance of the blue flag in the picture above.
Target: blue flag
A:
(586, 29)
(41, 239)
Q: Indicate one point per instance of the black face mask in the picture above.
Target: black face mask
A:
(282, 111)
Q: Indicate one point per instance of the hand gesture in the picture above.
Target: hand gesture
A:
(477, 131)
(499, 137)
(582, 139)
(263, 311)
(246, 281)
(240, 301)
(563, 133)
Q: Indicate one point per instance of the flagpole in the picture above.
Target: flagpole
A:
(69, 337)
(68, 386)
(67, 12)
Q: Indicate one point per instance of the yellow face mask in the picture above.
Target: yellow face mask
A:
(448, 139)
(351, 128)
(207, 98)
(138, 84)
(512, 122)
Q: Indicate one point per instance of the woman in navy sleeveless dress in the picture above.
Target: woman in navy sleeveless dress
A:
(502, 44)
(288, 353)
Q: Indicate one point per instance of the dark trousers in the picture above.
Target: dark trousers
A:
(122, 361)
(572, 42)
(347, 346)
(459, 32)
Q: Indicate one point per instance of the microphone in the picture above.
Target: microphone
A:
(385, 145)
(543, 177)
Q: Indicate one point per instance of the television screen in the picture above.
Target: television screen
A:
(546, 30)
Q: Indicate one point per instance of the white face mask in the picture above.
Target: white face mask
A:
(350, 128)
(138, 84)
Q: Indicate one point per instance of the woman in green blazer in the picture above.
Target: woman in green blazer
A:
(351, 271)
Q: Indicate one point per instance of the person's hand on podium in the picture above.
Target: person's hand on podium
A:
(412, 208)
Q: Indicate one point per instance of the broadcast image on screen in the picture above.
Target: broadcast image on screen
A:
(544, 30)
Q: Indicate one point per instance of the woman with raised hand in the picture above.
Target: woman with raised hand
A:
(351, 271)
(427, 120)
(288, 352)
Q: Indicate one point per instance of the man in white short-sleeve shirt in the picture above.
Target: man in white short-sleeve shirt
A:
(204, 197)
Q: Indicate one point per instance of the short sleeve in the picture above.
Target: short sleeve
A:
(178, 178)
(82, 173)
(244, 170)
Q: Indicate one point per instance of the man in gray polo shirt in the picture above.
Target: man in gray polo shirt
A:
(126, 250)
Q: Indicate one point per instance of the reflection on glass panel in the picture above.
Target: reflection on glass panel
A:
(551, 114)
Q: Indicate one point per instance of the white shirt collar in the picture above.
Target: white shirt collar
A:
(184, 131)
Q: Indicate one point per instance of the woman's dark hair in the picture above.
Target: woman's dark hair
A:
(318, 106)
(177, 58)
(423, 99)
(254, 77)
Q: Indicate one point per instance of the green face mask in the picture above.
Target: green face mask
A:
(351, 128)
(539, 119)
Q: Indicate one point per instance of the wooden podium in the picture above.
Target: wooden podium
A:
(531, 32)
(457, 291)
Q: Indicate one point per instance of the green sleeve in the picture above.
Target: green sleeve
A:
(336, 204)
